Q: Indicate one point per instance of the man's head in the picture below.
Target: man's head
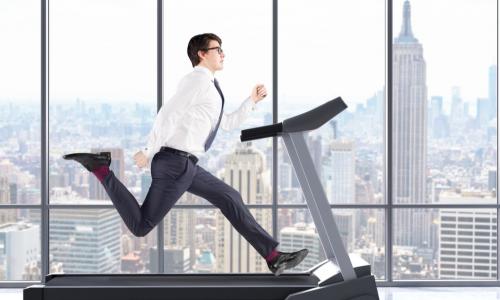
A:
(205, 50)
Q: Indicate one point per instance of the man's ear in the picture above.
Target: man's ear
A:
(201, 54)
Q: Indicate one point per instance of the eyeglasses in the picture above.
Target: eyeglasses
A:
(219, 49)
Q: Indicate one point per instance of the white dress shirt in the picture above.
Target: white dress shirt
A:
(186, 120)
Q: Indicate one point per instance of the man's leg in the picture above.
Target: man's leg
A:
(229, 201)
(171, 176)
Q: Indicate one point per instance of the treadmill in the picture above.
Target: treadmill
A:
(339, 277)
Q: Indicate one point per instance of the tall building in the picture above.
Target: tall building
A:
(86, 240)
(245, 171)
(436, 108)
(179, 227)
(457, 112)
(333, 124)
(176, 260)
(346, 223)
(285, 175)
(438, 123)
(492, 180)
(13, 193)
(483, 112)
(117, 166)
(467, 239)
(19, 245)
(300, 236)
(492, 90)
(339, 172)
(410, 129)
(6, 215)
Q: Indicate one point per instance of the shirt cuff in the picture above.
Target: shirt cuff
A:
(251, 104)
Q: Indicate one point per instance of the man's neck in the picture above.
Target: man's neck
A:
(206, 67)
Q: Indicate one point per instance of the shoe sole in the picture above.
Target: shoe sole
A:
(293, 263)
(72, 155)
(300, 257)
(279, 271)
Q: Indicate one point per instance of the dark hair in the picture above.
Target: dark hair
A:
(200, 42)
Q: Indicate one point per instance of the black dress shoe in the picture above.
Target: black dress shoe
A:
(286, 261)
(90, 161)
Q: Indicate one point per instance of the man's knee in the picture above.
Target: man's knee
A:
(234, 197)
(142, 229)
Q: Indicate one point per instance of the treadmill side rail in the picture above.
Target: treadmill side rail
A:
(33, 292)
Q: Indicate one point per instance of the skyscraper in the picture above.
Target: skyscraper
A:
(483, 112)
(409, 126)
(245, 171)
(6, 215)
(179, 227)
(467, 238)
(302, 236)
(457, 108)
(86, 240)
(436, 108)
(339, 173)
(19, 246)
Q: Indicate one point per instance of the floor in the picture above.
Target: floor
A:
(420, 293)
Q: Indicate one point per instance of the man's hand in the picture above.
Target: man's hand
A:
(259, 92)
(140, 159)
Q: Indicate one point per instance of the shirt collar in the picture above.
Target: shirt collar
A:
(205, 70)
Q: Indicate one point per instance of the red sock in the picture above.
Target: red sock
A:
(101, 172)
(272, 255)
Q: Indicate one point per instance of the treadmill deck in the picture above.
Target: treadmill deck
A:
(184, 280)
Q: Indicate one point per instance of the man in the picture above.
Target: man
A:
(186, 125)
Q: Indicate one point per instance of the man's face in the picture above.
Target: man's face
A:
(211, 58)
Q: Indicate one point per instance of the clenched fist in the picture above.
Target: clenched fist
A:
(259, 92)
(140, 159)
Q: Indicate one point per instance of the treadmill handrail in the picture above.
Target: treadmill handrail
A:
(261, 132)
(309, 120)
(316, 117)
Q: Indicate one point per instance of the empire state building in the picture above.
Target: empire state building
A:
(409, 132)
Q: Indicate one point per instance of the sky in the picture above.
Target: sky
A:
(105, 50)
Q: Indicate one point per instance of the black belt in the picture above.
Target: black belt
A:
(193, 158)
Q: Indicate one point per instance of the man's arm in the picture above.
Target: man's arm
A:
(233, 120)
(166, 119)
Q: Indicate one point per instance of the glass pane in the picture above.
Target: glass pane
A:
(97, 241)
(445, 102)
(445, 244)
(102, 92)
(245, 30)
(362, 232)
(20, 245)
(317, 47)
(20, 102)
(203, 241)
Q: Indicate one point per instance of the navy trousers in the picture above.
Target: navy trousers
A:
(172, 175)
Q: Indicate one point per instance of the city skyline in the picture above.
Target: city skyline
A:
(455, 167)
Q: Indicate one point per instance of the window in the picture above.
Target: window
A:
(102, 98)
